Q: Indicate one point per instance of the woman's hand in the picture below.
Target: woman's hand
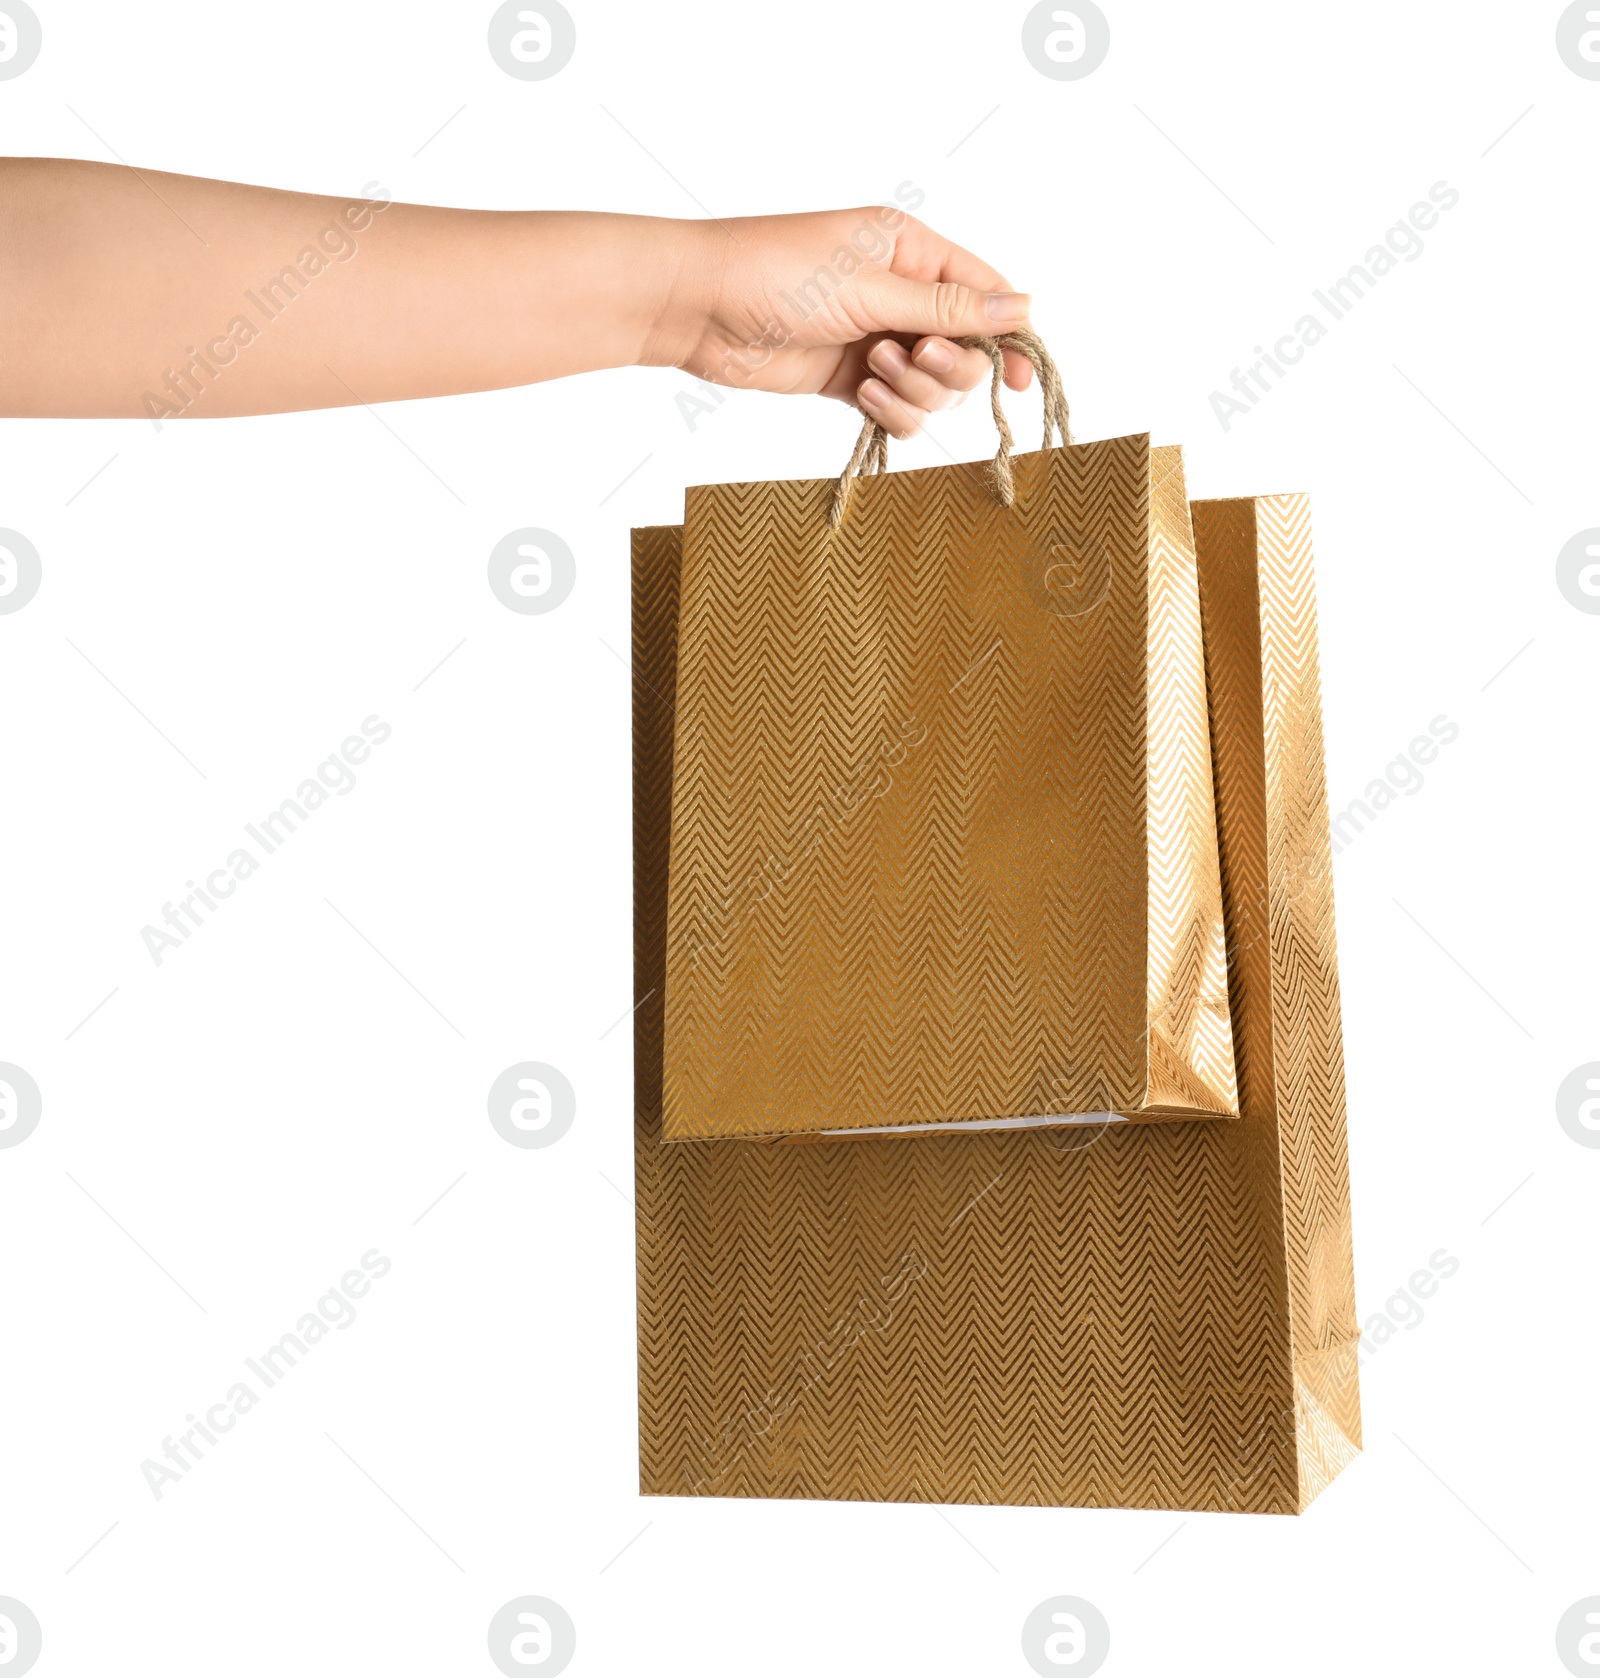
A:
(861, 305)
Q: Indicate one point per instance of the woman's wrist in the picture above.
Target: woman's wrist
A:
(671, 282)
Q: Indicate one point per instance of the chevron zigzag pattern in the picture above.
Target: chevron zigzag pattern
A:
(1140, 1316)
(943, 834)
(1259, 603)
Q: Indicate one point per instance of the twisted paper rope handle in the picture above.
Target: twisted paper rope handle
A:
(871, 453)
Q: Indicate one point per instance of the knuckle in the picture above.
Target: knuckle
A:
(950, 303)
(966, 375)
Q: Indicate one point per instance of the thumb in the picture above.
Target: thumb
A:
(893, 303)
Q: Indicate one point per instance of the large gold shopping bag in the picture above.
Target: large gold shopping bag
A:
(943, 841)
(1144, 1316)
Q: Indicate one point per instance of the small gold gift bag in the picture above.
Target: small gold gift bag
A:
(943, 840)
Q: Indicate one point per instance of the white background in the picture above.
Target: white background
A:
(275, 1099)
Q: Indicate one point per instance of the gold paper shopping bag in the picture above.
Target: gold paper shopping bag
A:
(943, 836)
(1138, 1316)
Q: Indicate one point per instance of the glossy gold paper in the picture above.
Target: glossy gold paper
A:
(1149, 1316)
(943, 835)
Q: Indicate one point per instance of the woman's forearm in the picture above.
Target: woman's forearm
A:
(128, 292)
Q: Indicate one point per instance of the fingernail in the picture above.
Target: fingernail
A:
(1007, 308)
(889, 357)
(873, 391)
(935, 357)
